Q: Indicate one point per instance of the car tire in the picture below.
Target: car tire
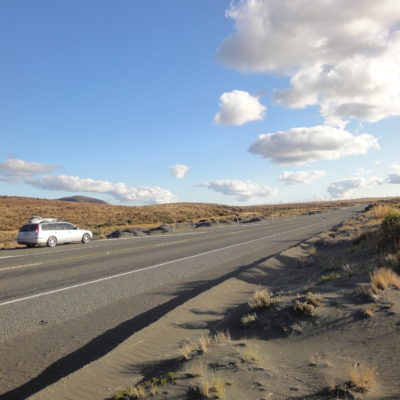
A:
(86, 238)
(52, 241)
(30, 245)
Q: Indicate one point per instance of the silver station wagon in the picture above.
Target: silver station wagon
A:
(50, 232)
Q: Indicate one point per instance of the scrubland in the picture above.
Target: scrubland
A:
(103, 219)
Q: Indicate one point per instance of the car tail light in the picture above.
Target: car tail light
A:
(37, 231)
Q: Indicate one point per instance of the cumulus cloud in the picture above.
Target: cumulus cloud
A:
(14, 169)
(395, 167)
(245, 190)
(343, 58)
(342, 188)
(394, 178)
(294, 178)
(304, 145)
(119, 191)
(178, 170)
(239, 107)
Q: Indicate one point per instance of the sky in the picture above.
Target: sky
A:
(233, 102)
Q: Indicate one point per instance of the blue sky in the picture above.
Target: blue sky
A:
(119, 100)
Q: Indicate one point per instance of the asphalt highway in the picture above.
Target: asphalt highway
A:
(63, 307)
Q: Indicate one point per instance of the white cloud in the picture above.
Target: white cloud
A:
(294, 178)
(304, 145)
(13, 170)
(343, 58)
(120, 191)
(245, 190)
(395, 167)
(394, 178)
(239, 107)
(342, 188)
(178, 170)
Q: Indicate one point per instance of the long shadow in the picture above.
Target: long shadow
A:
(110, 339)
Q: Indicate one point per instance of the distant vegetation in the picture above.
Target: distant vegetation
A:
(103, 219)
(83, 199)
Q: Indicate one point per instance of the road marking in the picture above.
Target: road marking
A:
(20, 266)
(78, 285)
(166, 244)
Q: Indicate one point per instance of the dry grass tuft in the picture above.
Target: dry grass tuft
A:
(154, 389)
(303, 307)
(314, 299)
(367, 292)
(222, 337)
(218, 387)
(249, 353)
(361, 379)
(262, 299)
(380, 211)
(204, 387)
(137, 392)
(369, 311)
(248, 319)
(188, 349)
(204, 342)
(199, 369)
(320, 360)
(384, 278)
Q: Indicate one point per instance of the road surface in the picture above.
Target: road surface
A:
(63, 307)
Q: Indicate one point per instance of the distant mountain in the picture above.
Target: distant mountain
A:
(83, 199)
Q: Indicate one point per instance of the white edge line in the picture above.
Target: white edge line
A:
(150, 267)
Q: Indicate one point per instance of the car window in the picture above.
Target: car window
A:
(28, 228)
(68, 226)
(47, 227)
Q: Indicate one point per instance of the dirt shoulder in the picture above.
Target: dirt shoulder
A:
(317, 330)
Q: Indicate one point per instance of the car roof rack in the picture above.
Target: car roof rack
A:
(36, 219)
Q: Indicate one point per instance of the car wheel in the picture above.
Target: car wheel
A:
(52, 241)
(30, 245)
(85, 238)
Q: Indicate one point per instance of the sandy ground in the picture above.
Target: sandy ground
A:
(284, 354)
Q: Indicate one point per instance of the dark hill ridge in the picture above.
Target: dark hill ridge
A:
(83, 199)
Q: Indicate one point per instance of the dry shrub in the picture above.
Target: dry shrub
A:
(320, 360)
(204, 387)
(262, 299)
(137, 392)
(204, 342)
(314, 299)
(369, 311)
(248, 319)
(382, 210)
(303, 307)
(249, 353)
(383, 278)
(361, 379)
(199, 369)
(358, 379)
(367, 292)
(218, 387)
(221, 337)
(188, 349)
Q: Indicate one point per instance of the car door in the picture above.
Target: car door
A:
(72, 232)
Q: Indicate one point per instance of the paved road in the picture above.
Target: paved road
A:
(63, 307)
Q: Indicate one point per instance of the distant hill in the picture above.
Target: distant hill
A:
(83, 199)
